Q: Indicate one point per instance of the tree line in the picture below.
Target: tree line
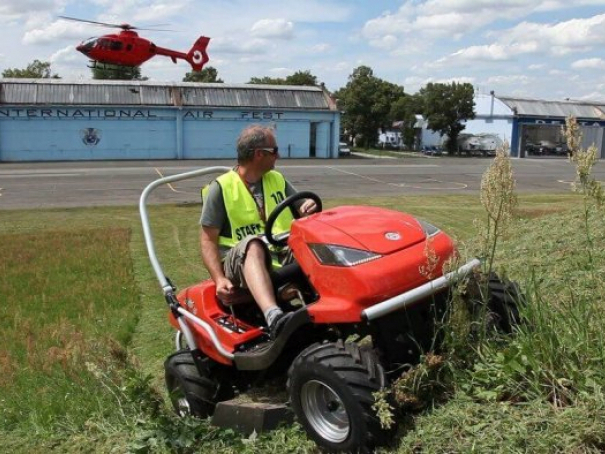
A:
(367, 103)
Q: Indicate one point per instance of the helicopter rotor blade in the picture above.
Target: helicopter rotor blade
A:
(105, 24)
(153, 29)
(122, 26)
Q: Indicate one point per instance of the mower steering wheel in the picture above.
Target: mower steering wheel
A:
(282, 239)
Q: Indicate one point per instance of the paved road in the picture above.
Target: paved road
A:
(71, 184)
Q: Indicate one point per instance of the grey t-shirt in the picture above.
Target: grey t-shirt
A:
(214, 213)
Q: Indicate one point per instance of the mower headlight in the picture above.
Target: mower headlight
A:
(429, 229)
(331, 254)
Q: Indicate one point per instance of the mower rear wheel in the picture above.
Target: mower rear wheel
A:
(331, 388)
(192, 393)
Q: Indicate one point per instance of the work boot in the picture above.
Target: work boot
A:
(278, 324)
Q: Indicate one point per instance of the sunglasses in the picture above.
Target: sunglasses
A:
(272, 150)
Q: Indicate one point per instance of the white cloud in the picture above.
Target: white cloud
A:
(533, 38)
(384, 42)
(322, 47)
(509, 80)
(560, 38)
(65, 55)
(337, 67)
(237, 46)
(17, 9)
(140, 10)
(453, 19)
(281, 72)
(273, 28)
(57, 30)
(557, 72)
(589, 63)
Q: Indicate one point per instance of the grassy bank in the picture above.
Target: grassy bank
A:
(84, 335)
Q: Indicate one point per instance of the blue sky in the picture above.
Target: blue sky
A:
(549, 49)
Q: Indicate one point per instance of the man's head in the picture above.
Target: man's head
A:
(257, 142)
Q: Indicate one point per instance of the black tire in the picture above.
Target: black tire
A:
(496, 300)
(192, 393)
(331, 388)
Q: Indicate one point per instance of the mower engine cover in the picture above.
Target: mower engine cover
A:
(358, 256)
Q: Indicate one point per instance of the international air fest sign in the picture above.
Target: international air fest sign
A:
(89, 113)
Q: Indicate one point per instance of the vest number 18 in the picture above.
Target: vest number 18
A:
(277, 197)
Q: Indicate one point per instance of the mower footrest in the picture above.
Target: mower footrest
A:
(247, 417)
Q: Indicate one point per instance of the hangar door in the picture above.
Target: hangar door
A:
(60, 139)
(549, 140)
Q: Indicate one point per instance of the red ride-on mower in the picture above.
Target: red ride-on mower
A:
(356, 272)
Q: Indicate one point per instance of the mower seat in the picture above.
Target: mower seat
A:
(281, 278)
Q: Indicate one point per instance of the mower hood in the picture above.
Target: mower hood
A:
(373, 229)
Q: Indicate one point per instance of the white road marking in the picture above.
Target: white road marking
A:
(375, 180)
(36, 175)
(453, 184)
(407, 185)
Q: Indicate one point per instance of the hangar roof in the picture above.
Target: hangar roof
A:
(543, 108)
(148, 93)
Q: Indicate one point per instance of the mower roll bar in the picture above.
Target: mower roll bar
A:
(411, 296)
(167, 287)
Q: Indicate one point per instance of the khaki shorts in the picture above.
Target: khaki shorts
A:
(233, 264)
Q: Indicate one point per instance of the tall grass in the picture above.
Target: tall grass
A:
(552, 365)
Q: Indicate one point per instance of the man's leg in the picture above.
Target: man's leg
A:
(259, 283)
(248, 265)
(257, 276)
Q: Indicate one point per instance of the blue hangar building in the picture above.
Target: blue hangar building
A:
(57, 120)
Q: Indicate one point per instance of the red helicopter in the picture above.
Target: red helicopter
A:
(128, 49)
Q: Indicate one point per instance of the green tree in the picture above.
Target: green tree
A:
(404, 111)
(446, 106)
(302, 78)
(35, 70)
(298, 78)
(208, 74)
(105, 71)
(266, 80)
(366, 103)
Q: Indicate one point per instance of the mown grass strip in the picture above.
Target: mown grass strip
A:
(68, 298)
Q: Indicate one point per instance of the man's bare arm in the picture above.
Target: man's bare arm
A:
(212, 259)
(210, 252)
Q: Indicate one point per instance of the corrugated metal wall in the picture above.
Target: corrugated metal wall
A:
(67, 121)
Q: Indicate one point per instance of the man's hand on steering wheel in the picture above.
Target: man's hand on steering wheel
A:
(307, 207)
(312, 203)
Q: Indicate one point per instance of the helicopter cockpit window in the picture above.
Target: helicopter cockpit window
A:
(103, 43)
(116, 45)
(89, 43)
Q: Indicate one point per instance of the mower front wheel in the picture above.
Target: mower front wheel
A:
(496, 300)
(192, 393)
(331, 388)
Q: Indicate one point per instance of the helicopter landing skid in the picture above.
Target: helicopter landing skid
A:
(124, 69)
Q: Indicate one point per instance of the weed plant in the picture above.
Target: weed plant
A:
(543, 384)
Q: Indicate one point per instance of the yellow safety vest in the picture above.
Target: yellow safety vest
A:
(243, 212)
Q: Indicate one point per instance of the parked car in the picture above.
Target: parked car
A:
(432, 150)
(343, 149)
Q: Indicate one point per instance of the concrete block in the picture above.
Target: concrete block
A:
(247, 417)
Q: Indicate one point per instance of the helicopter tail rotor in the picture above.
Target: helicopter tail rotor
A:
(197, 56)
